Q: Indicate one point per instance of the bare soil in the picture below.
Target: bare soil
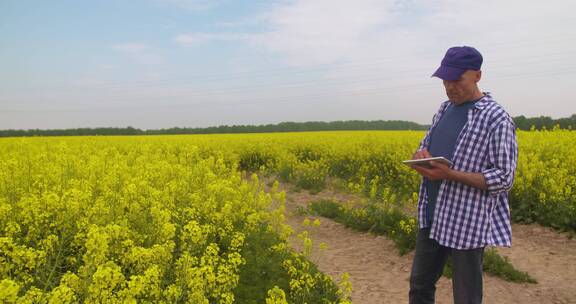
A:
(380, 275)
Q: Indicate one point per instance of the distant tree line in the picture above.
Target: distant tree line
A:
(523, 123)
(280, 127)
(545, 122)
(72, 132)
(299, 127)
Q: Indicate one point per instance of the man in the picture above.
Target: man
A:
(463, 208)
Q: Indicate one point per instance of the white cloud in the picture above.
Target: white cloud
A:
(320, 31)
(140, 53)
(86, 81)
(193, 5)
(193, 38)
(189, 39)
(394, 46)
(326, 31)
(105, 67)
(131, 47)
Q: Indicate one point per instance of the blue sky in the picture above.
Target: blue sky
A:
(166, 63)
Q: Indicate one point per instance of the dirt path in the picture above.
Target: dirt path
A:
(379, 275)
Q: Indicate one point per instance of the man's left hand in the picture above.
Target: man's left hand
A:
(437, 172)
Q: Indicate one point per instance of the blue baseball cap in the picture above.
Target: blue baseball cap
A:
(458, 60)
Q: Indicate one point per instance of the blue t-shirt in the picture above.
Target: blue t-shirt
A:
(443, 142)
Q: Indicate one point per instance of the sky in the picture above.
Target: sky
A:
(154, 64)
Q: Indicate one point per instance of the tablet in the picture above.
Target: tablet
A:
(425, 162)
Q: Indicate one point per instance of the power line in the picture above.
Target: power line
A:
(297, 98)
(381, 76)
(321, 67)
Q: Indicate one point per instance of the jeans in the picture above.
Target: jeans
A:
(429, 260)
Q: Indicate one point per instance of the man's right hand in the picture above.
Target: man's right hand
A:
(421, 154)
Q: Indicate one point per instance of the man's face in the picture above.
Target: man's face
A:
(463, 89)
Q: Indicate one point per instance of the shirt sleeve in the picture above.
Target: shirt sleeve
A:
(502, 158)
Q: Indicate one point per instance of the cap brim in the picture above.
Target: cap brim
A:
(448, 73)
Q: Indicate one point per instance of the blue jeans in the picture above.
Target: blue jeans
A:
(429, 260)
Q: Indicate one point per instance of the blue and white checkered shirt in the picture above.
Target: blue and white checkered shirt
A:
(466, 217)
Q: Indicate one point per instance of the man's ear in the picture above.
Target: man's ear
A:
(478, 75)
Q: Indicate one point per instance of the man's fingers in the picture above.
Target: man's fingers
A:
(433, 174)
(426, 154)
(421, 154)
(438, 165)
(422, 171)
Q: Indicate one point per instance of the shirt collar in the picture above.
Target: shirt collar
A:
(484, 101)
